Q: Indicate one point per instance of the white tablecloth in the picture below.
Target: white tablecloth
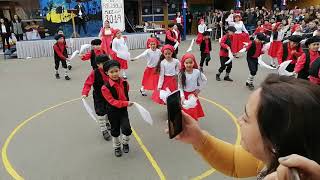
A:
(43, 48)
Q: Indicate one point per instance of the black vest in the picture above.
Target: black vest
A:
(304, 73)
(98, 82)
(286, 53)
(203, 45)
(228, 42)
(252, 50)
(65, 53)
(315, 67)
(93, 60)
(114, 94)
(167, 41)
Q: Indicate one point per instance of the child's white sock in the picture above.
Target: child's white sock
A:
(116, 142)
(102, 123)
(125, 139)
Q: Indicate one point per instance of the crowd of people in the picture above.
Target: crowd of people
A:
(267, 137)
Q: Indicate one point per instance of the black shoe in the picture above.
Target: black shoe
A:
(69, 67)
(106, 135)
(227, 78)
(143, 93)
(57, 76)
(118, 152)
(108, 126)
(201, 69)
(67, 78)
(250, 86)
(125, 148)
(218, 77)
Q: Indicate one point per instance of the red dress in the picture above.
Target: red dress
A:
(169, 82)
(238, 40)
(150, 79)
(274, 48)
(106, 40)
(196, 112)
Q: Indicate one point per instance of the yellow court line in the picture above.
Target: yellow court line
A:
(8, 166)
(15, 175)
(149, 156)
(234, 119)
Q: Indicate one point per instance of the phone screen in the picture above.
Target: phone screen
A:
(174, 114)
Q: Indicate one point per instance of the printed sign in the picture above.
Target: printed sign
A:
(113, 11)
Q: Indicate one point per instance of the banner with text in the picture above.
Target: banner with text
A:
(113, 11)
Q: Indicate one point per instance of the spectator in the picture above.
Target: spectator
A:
(17, 27)
(5, 34)
(266, 136)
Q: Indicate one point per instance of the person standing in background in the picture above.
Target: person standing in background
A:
(189, 22)
(179, 22)
(5, 34)
(17, 28)
(81, 17)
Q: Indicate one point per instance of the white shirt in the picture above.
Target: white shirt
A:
(178, 19)
(230, 19)
(239, 27)
(3, 27)
(202, 28)
(151, 56)
(195, 80)
(168, 69)
(119, 45)
(80, 12)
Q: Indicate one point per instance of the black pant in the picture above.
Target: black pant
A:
(100, 104)
(290, 67)
(253, 65)
(19, 37)
(204, 56)
(224, 66)
(189, 28)
(119, 119)
(57, 63)
(5, 38)
(82, 22)
(180, 28)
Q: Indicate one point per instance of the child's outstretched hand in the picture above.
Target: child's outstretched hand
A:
(130, 103)
(83, 96)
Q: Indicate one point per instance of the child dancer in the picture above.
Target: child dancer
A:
(226, 44)
(95, 51)
(60, 55)
(120, 52)
(254, 50)
(307, 62)
(150, 77)
(205, 48)
(202, 27)
(240, 36)
(191, 81)
(291, 50)
(115, 91)
(97, 78)
(276, 44)
(168, 67)
(65, 43)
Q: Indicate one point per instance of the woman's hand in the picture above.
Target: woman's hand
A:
(191, 134)
(307, 168)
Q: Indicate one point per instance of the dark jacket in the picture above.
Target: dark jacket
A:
(7, 28)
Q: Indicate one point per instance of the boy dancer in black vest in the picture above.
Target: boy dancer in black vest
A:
(226, 44)
(95, 51)
(60, 55)
(171, 37)
(205, 48)
(254, 50)
(115, 91)
(97, 79)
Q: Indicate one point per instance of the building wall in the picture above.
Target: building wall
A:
(304, 3)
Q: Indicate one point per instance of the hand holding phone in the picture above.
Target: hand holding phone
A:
(174, 114)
